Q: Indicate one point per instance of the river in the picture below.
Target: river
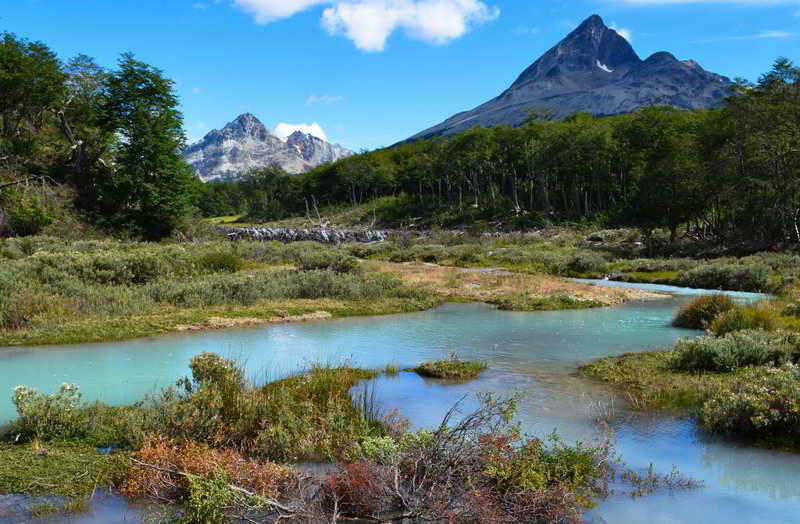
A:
(533, 353)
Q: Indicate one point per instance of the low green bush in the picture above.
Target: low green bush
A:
(327, 260)
(792, 310)
(763, 404)
(736, 350)
(221, 261)
(730, 276)
(586, 263)
(744, 317)
(48, 417)
(700, 312)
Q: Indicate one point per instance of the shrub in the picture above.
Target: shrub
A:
(792, 310)
(19, 308)
(736, 350)
(466, 253)
(210, 368)
(327, 260)
(763, 404)
(586, 262)
(30, 218)
(221, 261)
(700, 312)
(48, 417)
(721, 275)
(210, 471)
(744, 317)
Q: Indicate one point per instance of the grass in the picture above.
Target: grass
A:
(757, 405)
(552, 303)
(57, 292)
(72, 471)
(62, 292)
(650, 382)
(451, 369)
(170, 320)
(510, 290)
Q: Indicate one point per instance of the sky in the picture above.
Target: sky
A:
(368, 73)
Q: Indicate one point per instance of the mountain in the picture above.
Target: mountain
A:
(593, 70)
(245, 144)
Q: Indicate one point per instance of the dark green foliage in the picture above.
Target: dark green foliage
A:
(29, 218)
(701, 312)
(31, 82)
(731, 276)
(736, 350)
(150, 190)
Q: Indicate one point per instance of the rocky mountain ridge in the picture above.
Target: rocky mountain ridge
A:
(593, 70)
(245, 144)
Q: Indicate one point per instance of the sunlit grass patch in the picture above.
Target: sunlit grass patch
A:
(451, 369)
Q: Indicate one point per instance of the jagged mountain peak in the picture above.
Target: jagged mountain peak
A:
(245, 144)
(591, 48)
(593, 70)
(245, 125)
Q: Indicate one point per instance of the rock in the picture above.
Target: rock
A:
(593, 70)
(324, 236)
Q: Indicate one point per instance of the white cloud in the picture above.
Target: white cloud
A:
(266, 11)
(369, 23)
(323, 99)
(756, 3)
(627, 34)
(196, 90)
(283, 130)
(763, 35)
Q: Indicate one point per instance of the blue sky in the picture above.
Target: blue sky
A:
(371, 72)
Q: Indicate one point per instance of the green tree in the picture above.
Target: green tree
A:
(151, 186)
(31, 83)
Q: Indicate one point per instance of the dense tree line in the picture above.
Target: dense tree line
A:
(728, 174)
(113, 137)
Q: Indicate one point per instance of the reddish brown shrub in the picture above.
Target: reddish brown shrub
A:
(357, 489)
(265, 478)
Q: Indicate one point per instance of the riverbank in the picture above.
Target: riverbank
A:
(222, 448)
(59, 292)
(742, 385)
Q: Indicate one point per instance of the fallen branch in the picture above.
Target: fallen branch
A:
(270, 502)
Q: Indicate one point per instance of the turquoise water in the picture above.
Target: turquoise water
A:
(535, 353)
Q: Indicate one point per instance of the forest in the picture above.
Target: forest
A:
(726, 174)
(106, 144)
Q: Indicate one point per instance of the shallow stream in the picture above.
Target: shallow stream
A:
(535, 353)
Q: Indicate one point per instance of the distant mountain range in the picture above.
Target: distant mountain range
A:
(245, 144)
(593, 70)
